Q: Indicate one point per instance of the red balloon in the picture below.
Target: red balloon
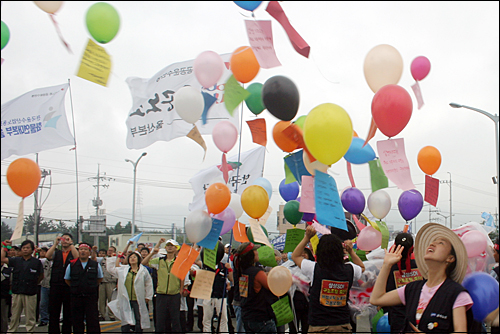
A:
(391, 109)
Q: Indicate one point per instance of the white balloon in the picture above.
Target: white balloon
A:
(235, 204)
(189, 104)
(197, 226)
(379, 203)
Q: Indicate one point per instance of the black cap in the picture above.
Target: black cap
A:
(406, 240)
(343, 234)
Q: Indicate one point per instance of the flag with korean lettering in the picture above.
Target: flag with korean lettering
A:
(251, 167)
(35, 121)
(153, 116)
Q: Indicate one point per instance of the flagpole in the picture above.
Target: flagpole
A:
(239, 149)
(78, 227)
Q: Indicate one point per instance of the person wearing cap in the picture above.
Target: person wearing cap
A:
(83, 276)
(168, 297)
(438, 303)
(402, 273)
(255, 297)
(331, 281)
(135, 290)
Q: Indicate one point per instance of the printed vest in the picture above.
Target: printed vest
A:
(59, 268)
(84, 281)
(254, 306)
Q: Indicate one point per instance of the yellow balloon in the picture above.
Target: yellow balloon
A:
(313, 166)
(328, 133)
(255, 201)
(383, 66)
(279, 280)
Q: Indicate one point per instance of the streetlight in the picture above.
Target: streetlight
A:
(133, 203)
(494, 118)
(445, 217)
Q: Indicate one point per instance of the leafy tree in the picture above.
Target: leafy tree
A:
(6, 231)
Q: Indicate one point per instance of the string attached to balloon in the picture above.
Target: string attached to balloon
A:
(52, 17)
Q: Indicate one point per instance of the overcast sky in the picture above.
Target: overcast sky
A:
(461, 40)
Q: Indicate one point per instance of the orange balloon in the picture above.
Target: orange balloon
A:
(217, 197)
(244, 64)
(23, 176)
(355, 134)
(429, 160)
(282, 141)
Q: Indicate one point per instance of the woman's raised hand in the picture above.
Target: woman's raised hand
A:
(393, 256)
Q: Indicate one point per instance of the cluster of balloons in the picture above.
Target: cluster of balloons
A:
(290, 194)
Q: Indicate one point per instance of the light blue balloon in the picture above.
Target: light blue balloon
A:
(383, 324)
(357, 154)
(264, 183)
(248, 5)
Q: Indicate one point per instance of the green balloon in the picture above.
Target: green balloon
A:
(103, 22)
(292, 213)
(300, 122)
(254, 101)
(250, 235)
(5, 35)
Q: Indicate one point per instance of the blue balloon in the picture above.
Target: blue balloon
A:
(248, 5)
(483, 290)
(264, 183)
(289, 192)
(357, 154)
(383, 324)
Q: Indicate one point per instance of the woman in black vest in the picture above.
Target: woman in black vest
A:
(256, 298)
(331, 281)
(438, 303)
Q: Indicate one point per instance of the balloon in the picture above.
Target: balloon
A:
(218, 257)
(5, 34)
(228, 217)
(254, 101)
(217, 197)
(475, 243)
(279, 280)
(429, 159)
(289, 191)
(357, 154)
(197, 225)
(308, 216)
(420, 67)
(244, 64)
(369, 239)
(50, 7)
(292, 213)
(235, 204)
(353, 200)
(328, 133)
(208, 68)
(281, 97)
(282, 141)
(313, 166)
(410, 204)
(250, 234)
(103, 22)
(383, 324)
(300, 122)
(483, 290)
(255, 201)
(379, 203)
(264, 183)
(23, 176)
(225, 135)
(248, 5)
(189, 104)
(383, 66)
(391, 109)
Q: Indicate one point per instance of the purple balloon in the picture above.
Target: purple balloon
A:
(308, 217)
(289, 192)
(353, 200)
(410, 204)
(228, 217)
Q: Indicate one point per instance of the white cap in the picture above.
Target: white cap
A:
(172, 241)
(227, 245)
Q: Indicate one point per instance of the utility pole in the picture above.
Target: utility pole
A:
(37, 206)
(97, 202)
(451, 212)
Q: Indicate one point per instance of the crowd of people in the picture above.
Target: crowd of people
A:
(70, 288)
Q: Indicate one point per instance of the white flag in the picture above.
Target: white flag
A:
(35, 121)
(251, 168)
(153, 116)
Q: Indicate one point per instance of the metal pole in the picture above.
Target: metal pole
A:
(35, 218)
(451, 212)
(133, 204)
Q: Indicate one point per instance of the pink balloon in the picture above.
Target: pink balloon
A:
(208, 68)
(225, 135)
(369, 239)
(228, 217)
(475, 243)
(420, 67)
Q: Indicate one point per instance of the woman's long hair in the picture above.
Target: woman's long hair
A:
(450, 267)
(244, 261)
(330, 252)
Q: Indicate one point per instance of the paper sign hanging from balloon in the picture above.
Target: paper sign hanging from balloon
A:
(321, 229)
(282, 309)
(293, 237)
(240, 232)
(314, 243)
(265, 217)
(18, 230)
(210, 256)
(195, 135)
(209, 101)
(186, 257)
(213, 236)
(260, 36)
(377, 176)
(295, 162)
(329, 209)
(289, 178)
(307, 195)
(234, 94)
(95, 65)
(258, 233)
(394, 162)
(202, 286)
(385, 234)
(258, 130)
(431, 190)
(418, 94)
